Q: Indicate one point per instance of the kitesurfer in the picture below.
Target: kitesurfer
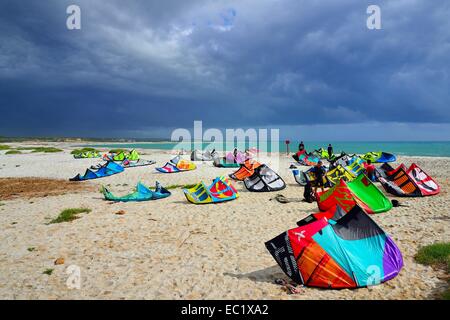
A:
(370, 170)
(301, 147)
(330, 151)
(319, 173)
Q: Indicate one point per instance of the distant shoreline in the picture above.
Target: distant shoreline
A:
(414, 149)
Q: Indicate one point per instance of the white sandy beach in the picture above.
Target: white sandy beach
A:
(171, 249)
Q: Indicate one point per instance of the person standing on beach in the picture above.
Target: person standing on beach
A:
(308, 194)
(330, 151)
(370, 170)
(301, 147)
(319, 173)
(301, 150)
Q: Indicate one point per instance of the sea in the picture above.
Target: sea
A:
(409, 148)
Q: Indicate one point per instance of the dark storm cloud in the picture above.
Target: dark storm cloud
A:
(139, 67)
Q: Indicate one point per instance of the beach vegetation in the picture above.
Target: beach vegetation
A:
(31, 249)
(180, 186)
(438, 256)
(69, 215)
(446, 294)
(47, 149)
(118, 151)
(4, 147)
(88, 149)
(10, 152)
(41, 149)
(48, 271)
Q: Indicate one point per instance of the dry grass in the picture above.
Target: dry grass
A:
(69, 215)
(11, 188)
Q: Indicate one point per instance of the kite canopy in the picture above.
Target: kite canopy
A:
(223, 163)
(138, 163)
(247, 170)
(379, 157)
(120, 156)
(142, 193)
(130, 164)
(133, 155)
(350, 252)
(230, 161)
(106, 170)
(197, 155)
(343, 160)
(352, 164)
(323, 154)
(177, 165)
(412, 182)
(303, 177)
(220, 190)
(335, 175)
(264, 179)
(305, 159)
(427, 185)
(239, 158)
(361, 192)
(87, 155)
(355, 166)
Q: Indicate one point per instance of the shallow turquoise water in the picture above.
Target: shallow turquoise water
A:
(419, 148)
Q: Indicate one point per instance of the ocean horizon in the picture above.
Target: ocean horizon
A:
(405, 148)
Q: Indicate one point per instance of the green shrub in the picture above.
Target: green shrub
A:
(40, 149)
(4, 147)
(118, 151)
(438, 256)
(69, 215)
(176, 186)
(13, 152)
(48, 272)
(78, 151)
(46, 150)
(446, 294)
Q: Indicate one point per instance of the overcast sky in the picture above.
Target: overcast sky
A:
(143, 68)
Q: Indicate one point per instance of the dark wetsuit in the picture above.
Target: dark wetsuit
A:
(319, 172)
(308, 193)
(301, 147)
(330, 152)
(235, 155)
(370, 171)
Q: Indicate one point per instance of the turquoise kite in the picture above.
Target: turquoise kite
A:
(142, 193)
